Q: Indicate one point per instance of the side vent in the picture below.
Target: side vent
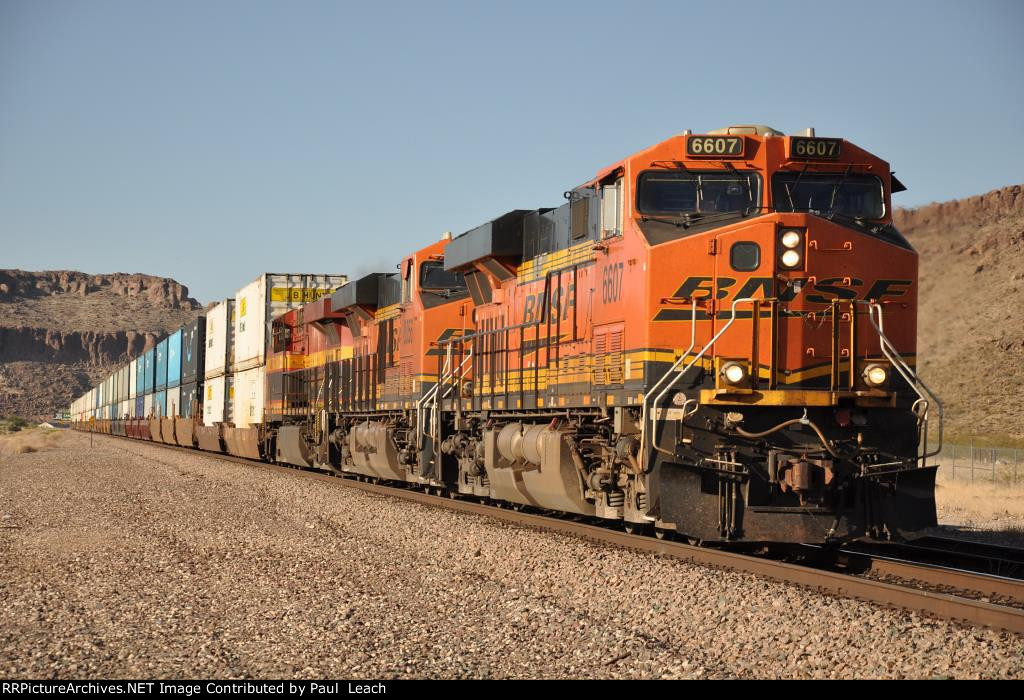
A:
(607, 349)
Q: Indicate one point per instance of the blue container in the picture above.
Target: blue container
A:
(147, 372)
(161, 365)
(174, 360)
(160, 404)
(140, 372)
(140, 407)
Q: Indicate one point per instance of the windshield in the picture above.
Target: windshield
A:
(859, 196)
(691, 192)
(433, 276)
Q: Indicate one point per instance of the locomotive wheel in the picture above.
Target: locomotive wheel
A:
(663, 534)
(635, 528)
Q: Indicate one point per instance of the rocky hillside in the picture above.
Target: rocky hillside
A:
(61, 331)
(971, 331)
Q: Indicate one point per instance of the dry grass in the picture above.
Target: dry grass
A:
(984, 505)
(30, 440)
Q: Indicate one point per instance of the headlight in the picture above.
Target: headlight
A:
(791, 258)
(876, 375)
(791, 239)
(734, 372)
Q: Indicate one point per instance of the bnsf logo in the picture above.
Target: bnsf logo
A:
(822, 291)
(562, 299)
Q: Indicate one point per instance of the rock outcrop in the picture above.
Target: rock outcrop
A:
(161, 291)
(72, 347)
(61, 331)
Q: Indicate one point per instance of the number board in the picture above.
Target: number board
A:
(715, 146)
(815, 149)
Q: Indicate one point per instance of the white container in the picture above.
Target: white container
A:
(147, 406)
(265, 298)
(174, 402)
(214, 400)
(124, 410)
(220, 331)
(123, 384)
(132, 372)
(248, 403)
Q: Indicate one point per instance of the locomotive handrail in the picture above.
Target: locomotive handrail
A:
(678, 375)
(657, 384)
(431, 392)
(431, 395)
(908, 374)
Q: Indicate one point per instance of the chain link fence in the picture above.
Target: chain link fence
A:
(998, 465)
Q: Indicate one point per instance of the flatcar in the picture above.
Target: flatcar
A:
(713, 338)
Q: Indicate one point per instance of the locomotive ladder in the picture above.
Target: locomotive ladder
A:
(922, 405)
(647, 432)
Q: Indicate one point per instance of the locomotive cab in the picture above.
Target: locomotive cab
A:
(792, 408)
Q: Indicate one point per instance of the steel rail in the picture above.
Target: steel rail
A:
(941, 605)
(1005, 563)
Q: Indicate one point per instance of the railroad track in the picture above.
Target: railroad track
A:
(882, 575)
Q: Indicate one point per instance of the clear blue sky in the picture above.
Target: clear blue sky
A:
(209, 141)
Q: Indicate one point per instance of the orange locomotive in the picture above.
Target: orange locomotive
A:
(713, 337)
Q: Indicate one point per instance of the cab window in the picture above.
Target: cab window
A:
(669, 192)
(433, 277)
(825, 194)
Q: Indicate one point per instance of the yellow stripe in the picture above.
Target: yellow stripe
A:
(540, 266)
(387, 312)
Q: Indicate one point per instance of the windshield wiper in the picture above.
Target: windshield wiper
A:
(835, 191)
(791, 191)
(693, 218)
(745, 181)
(861, 221)
(687, 220)
(440, 291)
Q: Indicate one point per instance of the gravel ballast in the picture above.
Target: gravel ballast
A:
(129, 560)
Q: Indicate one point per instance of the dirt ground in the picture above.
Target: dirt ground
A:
(126, 560)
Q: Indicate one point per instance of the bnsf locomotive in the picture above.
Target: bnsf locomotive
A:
(713, 337)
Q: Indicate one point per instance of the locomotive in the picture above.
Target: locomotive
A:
(713, 338)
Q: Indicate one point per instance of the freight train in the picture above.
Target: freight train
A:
(712, 338)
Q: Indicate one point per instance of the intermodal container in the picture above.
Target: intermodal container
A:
(173, 402)
(248, 399)
(133, 378)
(188, 396)
(267, 297)
(214, 400)
(193, 348)
(125, 382)
(160, 382)
(174, 359)
(147, 373)
(219, 335)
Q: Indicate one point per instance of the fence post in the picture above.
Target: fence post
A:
(972, 460)
(953, 477)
